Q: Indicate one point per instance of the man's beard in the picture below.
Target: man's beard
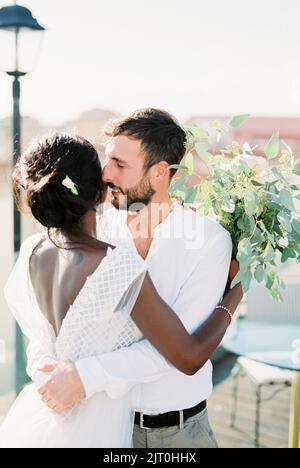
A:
(135, 198)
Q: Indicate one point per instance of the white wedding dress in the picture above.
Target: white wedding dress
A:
(98, 322)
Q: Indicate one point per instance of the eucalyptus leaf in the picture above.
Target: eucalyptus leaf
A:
(296, 225)
(256, 183)
(272, 148)
(296, 169)
(269, 253)
(286, 199)
(199, 132)
(259, 273)
(287, 253)
(179, 166)
(244, 255)
(238, 120)
(237, 279)
(271, 277)
(228, 204)
(189, 162)
(178, 184)
(285, 219)
(246, 280)
(250, 202)
(190, 195)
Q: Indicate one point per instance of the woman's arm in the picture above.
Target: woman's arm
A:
(165, 331)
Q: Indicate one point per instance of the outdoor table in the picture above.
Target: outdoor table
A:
(274, 344)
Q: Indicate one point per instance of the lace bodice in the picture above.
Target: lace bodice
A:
(98, 321)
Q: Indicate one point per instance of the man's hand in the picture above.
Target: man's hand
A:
(63, 388)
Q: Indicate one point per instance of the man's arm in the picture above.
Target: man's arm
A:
(40, 353)
(117, 372)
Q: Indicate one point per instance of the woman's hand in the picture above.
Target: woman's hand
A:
(233, 296)
(234, 269)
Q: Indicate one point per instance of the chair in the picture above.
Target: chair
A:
(262, 308)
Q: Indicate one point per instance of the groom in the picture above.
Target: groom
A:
(188, 258)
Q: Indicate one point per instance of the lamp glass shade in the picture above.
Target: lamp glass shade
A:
(20, 49)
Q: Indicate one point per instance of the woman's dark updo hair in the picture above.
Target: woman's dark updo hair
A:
(41, 171)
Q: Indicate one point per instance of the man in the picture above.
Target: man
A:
(188, 258)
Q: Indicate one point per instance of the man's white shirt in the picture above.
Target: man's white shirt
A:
(188, 262)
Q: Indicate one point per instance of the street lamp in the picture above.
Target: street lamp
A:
(20, 40)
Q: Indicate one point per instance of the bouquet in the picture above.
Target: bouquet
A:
(253, 197)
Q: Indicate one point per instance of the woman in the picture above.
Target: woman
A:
(75, 296)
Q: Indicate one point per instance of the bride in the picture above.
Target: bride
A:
(75, 296)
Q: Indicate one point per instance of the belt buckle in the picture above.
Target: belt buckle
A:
(142, 422)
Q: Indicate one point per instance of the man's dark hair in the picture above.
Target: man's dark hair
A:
(162, 137)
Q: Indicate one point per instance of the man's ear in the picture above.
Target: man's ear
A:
(162, 171)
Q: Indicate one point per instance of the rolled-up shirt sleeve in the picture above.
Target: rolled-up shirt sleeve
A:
(118, 371)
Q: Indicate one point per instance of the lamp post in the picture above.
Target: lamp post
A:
(20, 40)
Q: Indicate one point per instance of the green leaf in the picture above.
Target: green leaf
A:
(239, 120)
(189, 162)
(273, 146)
(205, 156)
(258, 236)
(199, 133)
(271, 277)
(190, 195)
(249, 224)
(250, 202)
(296, 169)
(244, 255)
(256, 183)
(289, 149)
(287, 253)
(202, 146)
(269, 253)
(296, 225)
(259, 273)
(178, 184)
(246, 280)
(179, 166)
(286, 200)
(276, 294)
(281, 283)
(237, 279)
(296, 236)
(285, 219)
(228, 204)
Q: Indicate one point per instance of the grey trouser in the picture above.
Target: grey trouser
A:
(196, 433)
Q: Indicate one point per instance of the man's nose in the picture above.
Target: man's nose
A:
(106, 173)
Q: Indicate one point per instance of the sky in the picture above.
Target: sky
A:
(191, 57)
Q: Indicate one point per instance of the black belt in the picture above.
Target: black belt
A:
(173, 418)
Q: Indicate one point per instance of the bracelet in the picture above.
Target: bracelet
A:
(228, 312)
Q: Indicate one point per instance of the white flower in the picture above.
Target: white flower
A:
(69, 184)
(259, 166)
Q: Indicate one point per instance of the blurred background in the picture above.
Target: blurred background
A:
(98, 59)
